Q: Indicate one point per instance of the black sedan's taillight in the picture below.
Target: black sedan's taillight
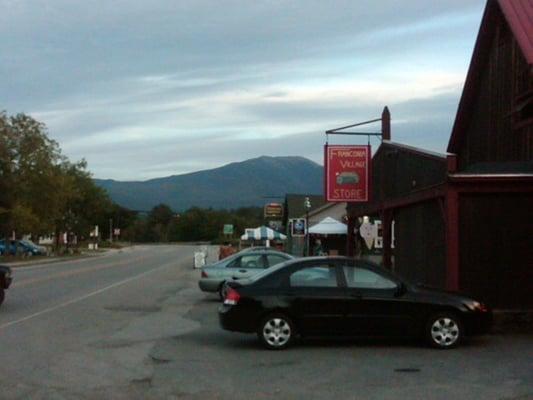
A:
(232, 297)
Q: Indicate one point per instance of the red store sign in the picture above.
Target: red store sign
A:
(347, 173)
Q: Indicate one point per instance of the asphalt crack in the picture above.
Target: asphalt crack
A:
(157, 360)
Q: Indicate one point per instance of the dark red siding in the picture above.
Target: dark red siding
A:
(496, 248)
(496, 130)
(399, 170)
(420, 253)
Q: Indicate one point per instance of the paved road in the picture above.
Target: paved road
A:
(133, 325)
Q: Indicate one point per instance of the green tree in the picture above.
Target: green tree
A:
(29, 171)
(159, 221)
(41, 191)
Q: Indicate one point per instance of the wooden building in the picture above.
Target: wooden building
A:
(464, 220)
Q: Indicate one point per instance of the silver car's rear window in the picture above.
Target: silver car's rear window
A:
(270, 270)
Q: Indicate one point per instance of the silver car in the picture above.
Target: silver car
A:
(238, 266)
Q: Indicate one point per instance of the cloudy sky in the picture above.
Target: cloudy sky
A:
(144, 89)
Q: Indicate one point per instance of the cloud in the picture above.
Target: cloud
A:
(149, 89)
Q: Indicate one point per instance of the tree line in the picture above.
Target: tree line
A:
(43, 193)
(162, 224)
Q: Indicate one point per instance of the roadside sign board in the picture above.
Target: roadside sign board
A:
(228, 229)
(298, 227)
(347, 172)
(94, 232)
(274, 211)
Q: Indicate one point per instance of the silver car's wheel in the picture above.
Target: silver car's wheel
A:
(276, 332)
(445, 331)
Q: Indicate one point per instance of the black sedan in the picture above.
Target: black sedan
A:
(340, 296)
(5, 281)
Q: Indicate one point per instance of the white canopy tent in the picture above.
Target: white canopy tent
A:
(329, 226)
(262, 233)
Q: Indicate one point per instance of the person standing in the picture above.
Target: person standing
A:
(318, 250)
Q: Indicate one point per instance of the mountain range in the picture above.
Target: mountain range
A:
(239, 184)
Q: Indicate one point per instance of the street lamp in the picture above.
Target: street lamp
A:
(307, 206)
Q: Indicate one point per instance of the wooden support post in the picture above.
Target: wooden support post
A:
(385, 124)
(451, 163)
(452, 239)
(386, 226)
(386, 214)
(350, 237)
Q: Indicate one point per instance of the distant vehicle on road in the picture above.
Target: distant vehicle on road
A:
(238, 266)
(22, 247)
(7, 249)
(33, 248)
(321, 296)
(5, 281)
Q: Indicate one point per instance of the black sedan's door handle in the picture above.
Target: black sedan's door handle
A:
(356, 296)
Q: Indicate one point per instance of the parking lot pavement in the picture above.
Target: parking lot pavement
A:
(154, 335)
(210, 363)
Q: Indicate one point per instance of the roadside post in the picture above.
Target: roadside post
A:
(199, 259)
(307, 206)
(273, 215)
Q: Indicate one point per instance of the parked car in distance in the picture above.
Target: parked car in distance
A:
(5, 281)
(22, 247)
(8, 249)
(321, 296)
(238, 266)
(35, 249)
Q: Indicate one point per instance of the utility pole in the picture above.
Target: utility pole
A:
(307, 205)
(110, 230)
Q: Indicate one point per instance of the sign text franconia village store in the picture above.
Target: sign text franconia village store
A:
(347, 173)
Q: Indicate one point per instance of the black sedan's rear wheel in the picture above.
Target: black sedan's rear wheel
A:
(2, 295)
(444, 331)
(276, 331)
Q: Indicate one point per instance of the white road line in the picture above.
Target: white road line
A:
(62, 262)
(84, 296)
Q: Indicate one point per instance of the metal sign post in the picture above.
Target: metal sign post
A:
(352, 177)
(347, 168)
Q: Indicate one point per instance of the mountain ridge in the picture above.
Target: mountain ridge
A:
(237, 184)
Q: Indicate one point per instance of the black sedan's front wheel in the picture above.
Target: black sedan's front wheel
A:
(2, 295)
(276, 331)
(444, 331)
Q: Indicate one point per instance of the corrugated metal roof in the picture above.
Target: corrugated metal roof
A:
(417, 150)
(519, 16)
